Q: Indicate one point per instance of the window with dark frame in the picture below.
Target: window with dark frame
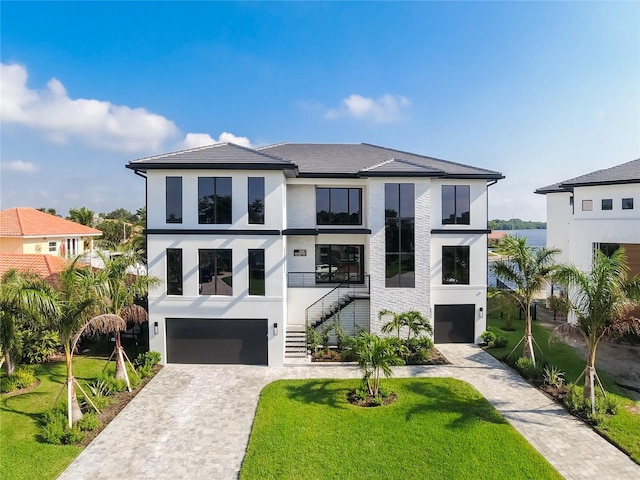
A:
(607, 204)
(214, 200)
(338, 206)
(339, 263)
(456, 205)
(215, 272)
(256, 272)
(256, 200)
(174, 271)
(455, 265)
(627, 204)
(399, 235)
(173, 199)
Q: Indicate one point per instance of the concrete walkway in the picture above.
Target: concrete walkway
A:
(194, 421)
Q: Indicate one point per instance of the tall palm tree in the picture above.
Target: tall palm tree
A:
(22, 297)
(77, 304)
(602, 300)
(121, 287)
(528, 269)
(82, 215)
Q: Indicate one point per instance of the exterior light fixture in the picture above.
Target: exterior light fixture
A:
(481, 312)
(155, 327)
(275, 329)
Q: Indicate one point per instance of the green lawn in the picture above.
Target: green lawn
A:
(437, 428)
(21, 455)
(623, 428)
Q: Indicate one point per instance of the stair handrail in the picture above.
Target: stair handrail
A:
(348, 285)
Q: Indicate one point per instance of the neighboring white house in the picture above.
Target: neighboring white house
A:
(253, 245)
(599, 210)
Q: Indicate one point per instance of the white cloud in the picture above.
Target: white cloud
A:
(385, 109)
(194, 140)
(19, 166)
(94, 122)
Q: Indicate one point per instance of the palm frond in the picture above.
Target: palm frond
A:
(134, 314)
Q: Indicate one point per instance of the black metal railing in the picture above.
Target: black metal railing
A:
(335, 300)
(323, 280)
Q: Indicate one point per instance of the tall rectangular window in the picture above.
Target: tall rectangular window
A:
(256, 200)
(456, 205)
(607, 204)
(174, 271)
(399, 235)
(338, 206)
(214, 200)
(339, 263)
(215, 272)
(627, 204)
(455, 265)
(174, 199)
(256, 272)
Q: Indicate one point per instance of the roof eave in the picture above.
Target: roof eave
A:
(208, 166)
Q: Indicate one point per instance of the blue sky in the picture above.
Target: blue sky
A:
(541, 91)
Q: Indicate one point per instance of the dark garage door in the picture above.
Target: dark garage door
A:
(454, 323)
(197, 340)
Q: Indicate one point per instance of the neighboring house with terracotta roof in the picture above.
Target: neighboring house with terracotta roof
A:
(599, 210)
(30, 231)
(255, 245)
(43, 265)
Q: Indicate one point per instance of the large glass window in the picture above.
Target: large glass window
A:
(456, 205)
(338, 206)
(400, 234)
(214, 200)
(455, 265)
(174, 271)
(174, 199)
(256, 200)
(256, 272)
(215, 272)
(339, 263)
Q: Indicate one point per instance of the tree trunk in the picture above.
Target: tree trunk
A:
(528, 337)
(589, 379)
(10, 366)
(73, 407)
(120, 366)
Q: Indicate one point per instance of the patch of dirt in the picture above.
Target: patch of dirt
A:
(370, 401)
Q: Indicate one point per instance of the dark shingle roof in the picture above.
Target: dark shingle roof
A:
(620, 174)
(316, 160)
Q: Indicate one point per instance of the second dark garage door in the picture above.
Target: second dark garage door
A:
(198, 340)
(454, 323)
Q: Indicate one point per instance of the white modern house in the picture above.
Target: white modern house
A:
(599, 210)
(254, 245)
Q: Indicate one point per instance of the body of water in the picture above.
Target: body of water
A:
(535, 238)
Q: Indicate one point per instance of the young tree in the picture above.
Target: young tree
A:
(375, 355)
(528, 269)
(23, 297)
(413, 320)
(602, 301)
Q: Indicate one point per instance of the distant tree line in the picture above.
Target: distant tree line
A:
(516, 224)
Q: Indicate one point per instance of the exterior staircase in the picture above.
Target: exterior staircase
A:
(295, 343)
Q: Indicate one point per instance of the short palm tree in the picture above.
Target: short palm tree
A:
(23, 297)
(602, 300)
(375, 356)
(414, 321)
(528, 269)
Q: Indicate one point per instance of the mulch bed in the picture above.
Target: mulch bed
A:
(435, 358)
(370, 401)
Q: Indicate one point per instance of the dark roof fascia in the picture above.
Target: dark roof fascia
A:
(458, 231)
(209, 166)
(216, 231)
(470, 176)
(321, 231)
(626, 181)
(327, 175)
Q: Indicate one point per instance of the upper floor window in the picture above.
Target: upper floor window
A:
(627, 204)
(339, 263)
(256, 200)
(399, 207)
(456, 205)
(53, 246)
(256, 271)
(214, 200)
(215, 272)
(607, 204)
(174, 199)
(338, 206)
(174, 271)
(455, 265)
(587, 205)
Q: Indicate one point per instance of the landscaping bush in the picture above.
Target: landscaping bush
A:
(113, 384)
(55, 429)
(577, 404)
(493, 340)
(149, 359)
(552, 375)
(88, 422)
(23, 377)
(7, 384)
(418, 349)
(313, 339)
(39, 344)
(528, 369)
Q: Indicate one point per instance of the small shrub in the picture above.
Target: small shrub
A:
(134, 378)
(88, 422)
(378, 400)
(361, 393)
(101, 402)
(144, 371)
(528, 369)
(99, 388)
(39, 344)
(22, 377)
(605, 405)
(147, 359)
(8, 384)
(553, 376)
(73, 435)
(488, 337)
(493, 340)
(55, 429)
(113, 384)
(313, 339)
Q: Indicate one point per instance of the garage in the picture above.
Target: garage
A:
(217, 341)
(454, 323)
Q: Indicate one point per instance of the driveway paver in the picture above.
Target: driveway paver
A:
(194, 421)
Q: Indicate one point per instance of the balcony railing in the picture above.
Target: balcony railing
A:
(323, 279)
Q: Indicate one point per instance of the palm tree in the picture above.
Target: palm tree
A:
(22, 297)
(602, 301)
(396, 322)
(82, 215)
(375, 355)
(415, 322)
(76, 304)
(528, 269)
(121, 287)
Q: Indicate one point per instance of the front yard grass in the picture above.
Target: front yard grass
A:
(623, 428)
(21, 455)
(437, 428)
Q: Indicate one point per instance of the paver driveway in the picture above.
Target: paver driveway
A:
(194, 421)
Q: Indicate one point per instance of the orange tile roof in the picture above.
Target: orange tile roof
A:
(29, 222)
(45, 266)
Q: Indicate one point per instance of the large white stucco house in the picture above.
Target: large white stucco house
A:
(599, 210)
(253, 245)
